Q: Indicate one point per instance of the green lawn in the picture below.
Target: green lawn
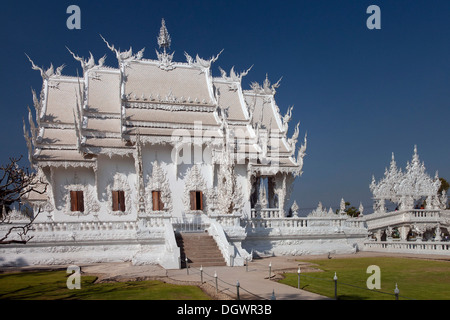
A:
(416, 279)
(51, 285)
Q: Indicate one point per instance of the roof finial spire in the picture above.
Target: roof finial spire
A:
(164, 36)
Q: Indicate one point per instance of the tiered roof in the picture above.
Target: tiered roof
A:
(102, 111)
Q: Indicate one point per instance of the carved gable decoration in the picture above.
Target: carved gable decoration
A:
(158, 182)
(119, 183)
(194, 181)
(89, 197)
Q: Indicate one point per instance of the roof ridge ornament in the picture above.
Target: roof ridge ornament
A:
(85, 64)
(233, 75)
(122, 56)
(201, 63)
(47, 73)
(164, 41)
(267, 87)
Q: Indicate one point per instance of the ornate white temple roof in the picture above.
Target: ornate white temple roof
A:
(102, 110)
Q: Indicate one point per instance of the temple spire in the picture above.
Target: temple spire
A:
(164, 37)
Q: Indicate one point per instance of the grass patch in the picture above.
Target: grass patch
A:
(51, 285)
(417, 279)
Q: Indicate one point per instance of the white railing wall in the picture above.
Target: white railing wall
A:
(384, 219)
(417, 247)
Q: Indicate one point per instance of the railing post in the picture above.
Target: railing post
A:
(215, 277)
(187, 265)
(201, 274)
(396, 292)
(335, 278)
(237, 290)
(270, 270)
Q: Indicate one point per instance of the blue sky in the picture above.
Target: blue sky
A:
(360, 94)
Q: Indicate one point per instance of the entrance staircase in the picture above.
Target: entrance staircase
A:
(200, 248)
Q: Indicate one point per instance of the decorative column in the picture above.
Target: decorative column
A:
(294, 209)
(271, 192)
(262, 195)
(140, 174)
(438, 233)
(404, 230)
(281, 192)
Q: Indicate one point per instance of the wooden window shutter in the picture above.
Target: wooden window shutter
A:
(200, 200)
(115, 200)
(193, 202)
(76, 201)
(73, 201)
(157, 202)
(80, 201)
(118, 200)
(121, 201)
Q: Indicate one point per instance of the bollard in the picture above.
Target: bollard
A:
(270, 270)
(396, 292)
(187, 266)
(298, 272)
(215, 277)
(237, 290)
(335, 285)
(201, 274)
(246, 264)
(273, 295)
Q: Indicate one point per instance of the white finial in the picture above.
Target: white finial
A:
(164, 40)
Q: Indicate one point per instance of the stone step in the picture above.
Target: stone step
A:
(201, 250)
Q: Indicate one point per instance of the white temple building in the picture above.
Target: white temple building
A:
(138, 155)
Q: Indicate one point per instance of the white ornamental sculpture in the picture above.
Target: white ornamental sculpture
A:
(294, 209)
(342, 206)
(229, 194)
(405, 188)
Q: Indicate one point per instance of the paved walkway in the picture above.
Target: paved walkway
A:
(254, 280)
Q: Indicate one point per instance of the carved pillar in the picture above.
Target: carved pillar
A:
(281, 192)
(140, 175)
(404, 230)
(262, 195)
(271, 192)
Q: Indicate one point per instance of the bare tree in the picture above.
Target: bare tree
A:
(15, 183)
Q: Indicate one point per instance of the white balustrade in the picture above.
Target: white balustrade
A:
(419, 247)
